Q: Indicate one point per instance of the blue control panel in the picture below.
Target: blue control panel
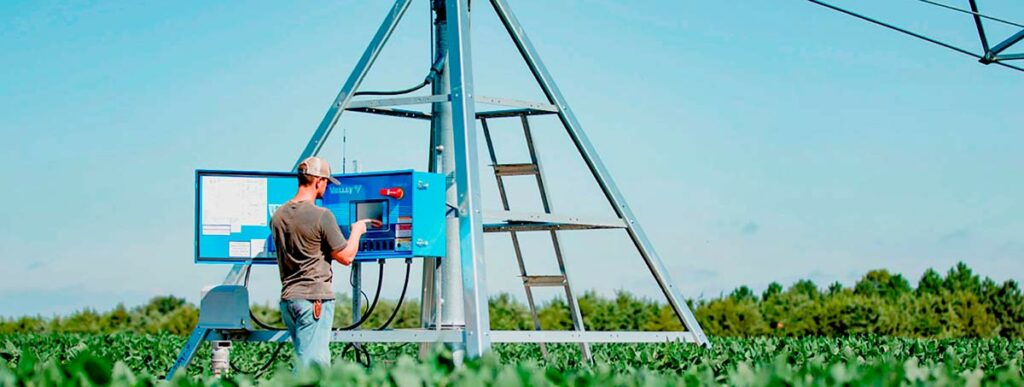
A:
(409, 204)
(234, 209)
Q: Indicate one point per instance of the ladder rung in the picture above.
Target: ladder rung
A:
(505, 221)
(524, 227)
(512, 113)
(515, 169)
(544, 280)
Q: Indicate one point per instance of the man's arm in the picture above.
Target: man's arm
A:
(347, 254)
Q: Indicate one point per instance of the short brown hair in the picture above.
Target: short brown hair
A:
(305, 180)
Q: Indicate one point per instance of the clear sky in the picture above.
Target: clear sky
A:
(757, 141)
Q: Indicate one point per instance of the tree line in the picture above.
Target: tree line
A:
(957, 304)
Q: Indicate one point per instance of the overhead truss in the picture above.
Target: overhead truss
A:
(990, 54)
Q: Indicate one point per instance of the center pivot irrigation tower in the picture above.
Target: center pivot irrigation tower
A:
(454, 308)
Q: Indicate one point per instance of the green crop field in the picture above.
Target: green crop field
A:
(957, 329)
(133, 359)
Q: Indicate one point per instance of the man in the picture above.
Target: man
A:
(308, 239)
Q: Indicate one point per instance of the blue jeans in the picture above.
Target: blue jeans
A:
(309, 336)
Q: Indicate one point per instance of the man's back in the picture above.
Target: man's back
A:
(305, 235)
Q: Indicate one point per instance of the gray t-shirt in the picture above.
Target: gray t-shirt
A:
(305, 236)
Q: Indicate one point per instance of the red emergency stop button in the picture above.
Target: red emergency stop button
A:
(394, 192)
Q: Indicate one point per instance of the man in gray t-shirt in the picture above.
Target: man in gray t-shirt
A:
(308, 239)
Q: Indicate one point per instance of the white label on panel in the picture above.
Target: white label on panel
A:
(257, 248)
(216, 229)
(235, 201)
(238, 249)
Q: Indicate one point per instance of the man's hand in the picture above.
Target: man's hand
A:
(348, 254)
(359, 227)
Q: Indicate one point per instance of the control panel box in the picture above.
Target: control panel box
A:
(234, 210)
(409, 206)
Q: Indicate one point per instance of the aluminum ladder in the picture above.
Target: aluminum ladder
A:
(532, 281)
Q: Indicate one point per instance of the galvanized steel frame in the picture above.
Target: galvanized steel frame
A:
(597, 168)
(476, 335)
(341, 102)
(467, 179)
(456, 335)
(989, 55)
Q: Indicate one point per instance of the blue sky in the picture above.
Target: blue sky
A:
(756, 141)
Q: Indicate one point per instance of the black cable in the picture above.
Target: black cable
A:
(435, 71)
(248, 269)
(261, 324)
(362, 355)
(352, 282)
(401, 298)
(916, 35)
(252, 316)
(373, 305)
(395, 92)
(262, 369)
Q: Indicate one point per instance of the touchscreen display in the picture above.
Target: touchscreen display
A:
(371, 210)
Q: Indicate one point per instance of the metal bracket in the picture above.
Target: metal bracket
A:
(376, 103)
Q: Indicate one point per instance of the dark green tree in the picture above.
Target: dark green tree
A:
(507, 314)
(961, 278)
(930, 283)
(774, 289)
(743, 293)
(881, 283)
(805, 288)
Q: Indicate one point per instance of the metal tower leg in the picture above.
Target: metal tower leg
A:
(354, 79)
(597, 168)
(467, 178)
(188, 351)
(450, 291)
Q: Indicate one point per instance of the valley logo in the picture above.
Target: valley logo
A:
(345, 189)
(273, 208)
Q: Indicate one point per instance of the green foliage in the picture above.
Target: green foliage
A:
(881, 283)
(773, 290)
(736, 317)
(957, 305)
(960, 304)
(141, 360)
(930, 283)
(161, 314)
(507, 314)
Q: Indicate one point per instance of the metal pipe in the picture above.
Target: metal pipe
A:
(1006, 44)
(977, 23)
(357, 283)
(452, 313)
(467, 180)
(1010, 57)
(358, 74)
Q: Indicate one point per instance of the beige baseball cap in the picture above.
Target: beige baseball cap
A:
(315, 166)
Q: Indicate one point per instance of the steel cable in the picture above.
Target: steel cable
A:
(904, 31)
(969, 12)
